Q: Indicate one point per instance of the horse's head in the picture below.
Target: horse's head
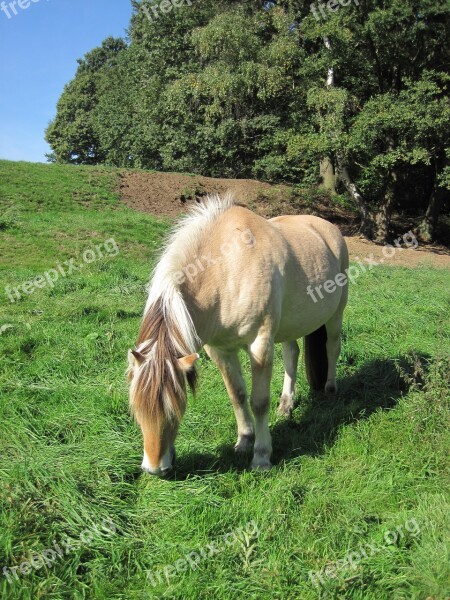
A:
(158, 395)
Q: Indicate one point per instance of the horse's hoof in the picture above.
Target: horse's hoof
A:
(330, 389)
(285, 411)
(261, 465)
(245, 443)
(285, 407)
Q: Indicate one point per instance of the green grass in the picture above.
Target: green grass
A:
(374, 460)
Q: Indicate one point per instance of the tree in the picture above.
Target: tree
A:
(73, 134)
(356, 101)
(368, 120)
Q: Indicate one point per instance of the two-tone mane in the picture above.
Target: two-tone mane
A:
(167, 332)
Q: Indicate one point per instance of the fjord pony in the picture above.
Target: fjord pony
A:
(229, 279)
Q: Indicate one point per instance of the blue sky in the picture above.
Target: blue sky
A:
(38, 51)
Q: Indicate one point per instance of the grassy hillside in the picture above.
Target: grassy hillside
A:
(360, 491)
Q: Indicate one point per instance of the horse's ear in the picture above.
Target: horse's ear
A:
(140, 358)
(186, 363)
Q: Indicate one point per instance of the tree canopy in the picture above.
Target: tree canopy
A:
(276, 91)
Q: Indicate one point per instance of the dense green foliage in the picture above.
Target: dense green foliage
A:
(347, 471)
(239, 89)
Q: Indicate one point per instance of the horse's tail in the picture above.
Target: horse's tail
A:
(316, 360)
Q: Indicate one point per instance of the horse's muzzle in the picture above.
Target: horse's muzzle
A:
(162, 472)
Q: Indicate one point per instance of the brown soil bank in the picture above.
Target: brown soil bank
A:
(170, 194)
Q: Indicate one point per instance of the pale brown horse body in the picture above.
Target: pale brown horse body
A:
(229, 279)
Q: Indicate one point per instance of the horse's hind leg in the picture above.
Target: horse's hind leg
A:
(290, 359)
(261, 358)
(229, 366)
(334, 328)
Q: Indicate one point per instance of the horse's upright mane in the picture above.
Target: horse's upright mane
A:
(185, 235)
(167, 331)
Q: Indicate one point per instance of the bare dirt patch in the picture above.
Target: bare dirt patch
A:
(171, 194)
(422, 256)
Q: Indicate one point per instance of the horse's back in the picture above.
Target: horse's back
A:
(301, 230)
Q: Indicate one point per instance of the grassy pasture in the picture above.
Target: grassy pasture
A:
(360, 487)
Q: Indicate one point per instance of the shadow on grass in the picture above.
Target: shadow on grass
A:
(376, 385)
(315, 423)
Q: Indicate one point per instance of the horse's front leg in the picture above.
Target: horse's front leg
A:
(261, 358)
(229, 366)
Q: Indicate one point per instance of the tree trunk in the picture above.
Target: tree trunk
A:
(429, 223)
(366, 226)
(328, 175)
(383, 215)
(341, 171)
(327, 172)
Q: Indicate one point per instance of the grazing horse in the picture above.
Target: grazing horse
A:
(230, 279)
